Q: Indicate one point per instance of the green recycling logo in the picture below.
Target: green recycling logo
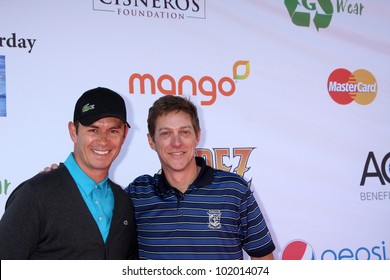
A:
(301, 12)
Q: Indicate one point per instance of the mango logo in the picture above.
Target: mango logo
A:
(208, 86)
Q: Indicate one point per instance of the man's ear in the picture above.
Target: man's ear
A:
(125, 134)
(72, 132)
(151, 142)
(198, 137)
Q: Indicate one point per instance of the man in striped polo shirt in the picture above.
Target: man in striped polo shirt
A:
(190, 210)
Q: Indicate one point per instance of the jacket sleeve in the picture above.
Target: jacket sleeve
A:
(19, 225)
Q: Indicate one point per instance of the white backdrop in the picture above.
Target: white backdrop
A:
(305, 153)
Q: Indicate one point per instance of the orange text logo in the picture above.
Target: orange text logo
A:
(235, 160)
(206, 85)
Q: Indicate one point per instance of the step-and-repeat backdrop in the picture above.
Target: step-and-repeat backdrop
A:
(293, 95)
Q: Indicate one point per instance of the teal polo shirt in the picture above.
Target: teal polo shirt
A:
(98, 196)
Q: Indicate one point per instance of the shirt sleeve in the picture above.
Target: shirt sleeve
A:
(257, 241)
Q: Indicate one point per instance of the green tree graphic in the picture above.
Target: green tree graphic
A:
(6, 185)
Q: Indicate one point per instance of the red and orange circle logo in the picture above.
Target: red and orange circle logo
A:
(345, 87)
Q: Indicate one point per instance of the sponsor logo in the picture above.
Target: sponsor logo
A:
(14, 41)
(156, 9)
(298, 250)
(302, 250)
(232, 160)
(206, 85)
(319, 13)
(381, 172)
(345, 86)
(3, 95)
(376, 172)
(4, 185)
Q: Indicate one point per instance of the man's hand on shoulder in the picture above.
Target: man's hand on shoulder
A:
(47, 169)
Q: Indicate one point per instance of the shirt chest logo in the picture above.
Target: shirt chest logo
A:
(214, 219)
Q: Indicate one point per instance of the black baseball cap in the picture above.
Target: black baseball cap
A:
(99, 103)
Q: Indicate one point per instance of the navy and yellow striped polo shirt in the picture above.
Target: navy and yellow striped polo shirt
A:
(216, 218)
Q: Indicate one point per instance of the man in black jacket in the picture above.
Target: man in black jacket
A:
(76, 211)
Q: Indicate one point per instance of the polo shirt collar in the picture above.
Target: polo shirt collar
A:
(83, 181)
(204, 178)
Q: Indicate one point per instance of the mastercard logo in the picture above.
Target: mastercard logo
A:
(359, 86)
(298, 250)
